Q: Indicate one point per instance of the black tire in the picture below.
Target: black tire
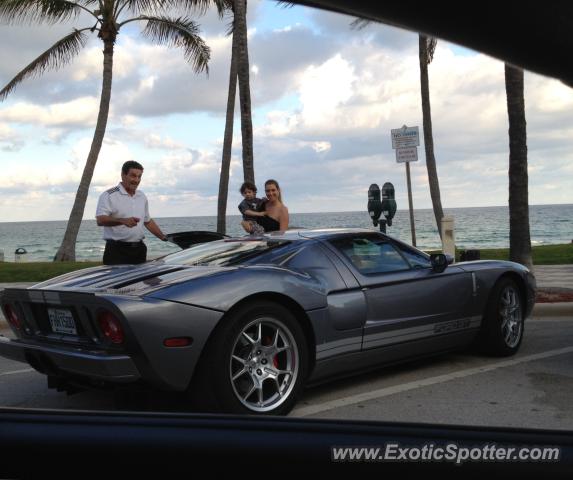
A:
(241, 357)
(503, 323)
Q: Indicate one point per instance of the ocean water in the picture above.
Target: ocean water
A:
(484, 227)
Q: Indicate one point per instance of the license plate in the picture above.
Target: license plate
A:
(62, 321)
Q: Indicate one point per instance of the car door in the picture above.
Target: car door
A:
(406, 299)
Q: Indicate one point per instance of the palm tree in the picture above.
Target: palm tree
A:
(240, 29)
(239, 69)
(427, 45)
(519, 237)
(228, 138)
(107, 17)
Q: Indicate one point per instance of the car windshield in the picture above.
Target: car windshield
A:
(223, 253)
(364, 328)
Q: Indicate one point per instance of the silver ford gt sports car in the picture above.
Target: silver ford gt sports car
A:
(243, 324)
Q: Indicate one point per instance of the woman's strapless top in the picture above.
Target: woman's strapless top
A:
(269, 224)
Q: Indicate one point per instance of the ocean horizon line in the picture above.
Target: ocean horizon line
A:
(303, 213)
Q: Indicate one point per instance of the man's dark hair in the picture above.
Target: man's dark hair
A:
(248, 186)
(129, 165)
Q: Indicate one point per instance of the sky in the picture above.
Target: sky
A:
(324, 98)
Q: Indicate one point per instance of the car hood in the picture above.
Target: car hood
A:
(128, 279)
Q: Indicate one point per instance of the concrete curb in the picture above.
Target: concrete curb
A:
(560, 309)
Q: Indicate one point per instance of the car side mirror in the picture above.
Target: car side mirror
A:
(439, 262)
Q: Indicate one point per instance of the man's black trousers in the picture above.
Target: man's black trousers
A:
(118, 253)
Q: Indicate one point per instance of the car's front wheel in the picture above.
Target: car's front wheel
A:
(256, 363)
(503, 326)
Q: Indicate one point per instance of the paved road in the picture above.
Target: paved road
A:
(532, 389)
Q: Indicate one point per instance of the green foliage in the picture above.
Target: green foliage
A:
(174, 32)
(62, 52)
(542, 254)
(38, 271)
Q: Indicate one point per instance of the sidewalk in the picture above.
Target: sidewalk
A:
(553, 276)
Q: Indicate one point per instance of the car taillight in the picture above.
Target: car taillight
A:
(12, 317)
(110, 327)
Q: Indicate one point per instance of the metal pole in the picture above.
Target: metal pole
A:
(411, 204)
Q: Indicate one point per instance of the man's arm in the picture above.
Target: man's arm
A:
(154, 228)
(109, 221)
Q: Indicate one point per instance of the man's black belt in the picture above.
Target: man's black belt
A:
(126, 244)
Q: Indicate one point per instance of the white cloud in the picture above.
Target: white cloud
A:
(10, 140)
(320, 147)
(80, 112)
(154, 140)
(323, 104)
(322, 89)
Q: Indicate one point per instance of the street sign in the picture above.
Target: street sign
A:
(405, 141)
(408, 154)
(405, 137)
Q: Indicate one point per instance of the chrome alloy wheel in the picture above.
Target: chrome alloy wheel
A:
(264, 364)
(511, 316)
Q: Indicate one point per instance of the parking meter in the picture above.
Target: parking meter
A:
(374, 203)
(388, 202)
(386, 206)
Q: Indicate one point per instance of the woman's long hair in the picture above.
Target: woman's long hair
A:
(276, 184)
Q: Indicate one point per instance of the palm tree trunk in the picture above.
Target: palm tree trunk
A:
(428, 135)
(519, 237)
(67, 250)
(244, 90)
(227, 142)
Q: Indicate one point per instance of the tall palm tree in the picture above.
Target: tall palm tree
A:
(108, 18)
(240, 29)
(427, 47)
(519, 237)
(228, 137)
(239, 70)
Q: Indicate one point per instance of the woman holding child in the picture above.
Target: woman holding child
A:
(272, 214)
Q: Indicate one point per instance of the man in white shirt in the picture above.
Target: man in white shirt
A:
(123, 211)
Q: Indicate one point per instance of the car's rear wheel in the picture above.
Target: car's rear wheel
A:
(256, 362)
(504, 320)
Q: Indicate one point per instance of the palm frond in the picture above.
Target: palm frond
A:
(230, 28)
(59, 54)
(38, 11)
(360, 23)
(182, 33)
(156, 7)
(223, 7)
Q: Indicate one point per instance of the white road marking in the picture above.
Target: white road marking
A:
(385, 392)
(551, 319)
(16, 372)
